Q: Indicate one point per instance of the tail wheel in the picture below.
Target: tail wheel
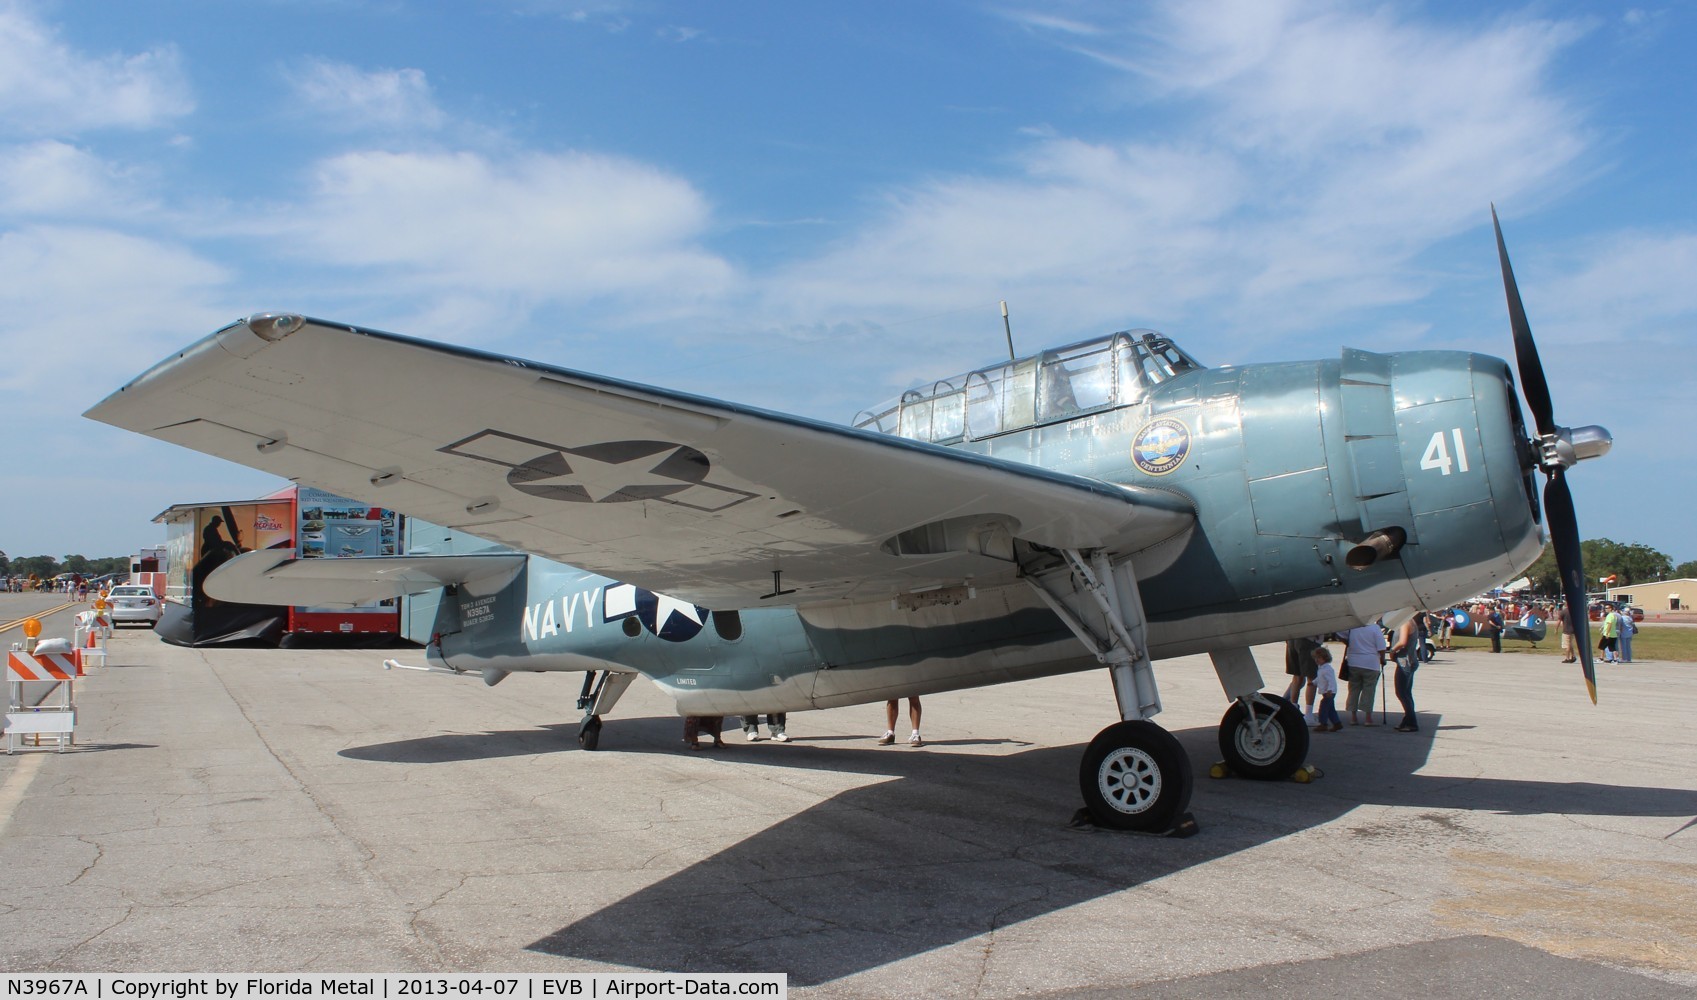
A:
(1135, 776)
(1262, 748)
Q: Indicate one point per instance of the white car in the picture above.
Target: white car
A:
(132, 604)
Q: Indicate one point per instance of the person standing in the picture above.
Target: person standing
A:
(891, 708)
(1565, 618)
(1611, 635)
(774, 722)
(696, 725)
(1496, 620)
(1628, 628)
(1406, 652)
(1364, 656)
(1301, 666)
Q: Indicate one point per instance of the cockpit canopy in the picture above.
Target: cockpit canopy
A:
(1056, 385)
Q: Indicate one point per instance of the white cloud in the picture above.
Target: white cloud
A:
(1044, 21)
(1311, 152)
(1086, 231)
(84, 309)
(47, 88)
(51, 179)
(511, 233)
(1646, 276)
(679, 33)
(613, 15)
(348, 97)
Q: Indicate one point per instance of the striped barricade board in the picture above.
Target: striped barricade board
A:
(22, 666)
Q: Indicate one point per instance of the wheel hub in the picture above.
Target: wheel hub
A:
(1260, 743)
(1129, 780)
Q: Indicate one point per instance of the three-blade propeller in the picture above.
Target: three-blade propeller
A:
(1562, 521)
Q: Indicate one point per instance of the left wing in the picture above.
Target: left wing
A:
(688, 496)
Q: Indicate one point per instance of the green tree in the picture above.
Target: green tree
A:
(1685, 571)
(1545, 577)
(45, 567)
(1628, 564)
(75, 564)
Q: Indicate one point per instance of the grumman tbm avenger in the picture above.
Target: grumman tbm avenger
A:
(1112, 502)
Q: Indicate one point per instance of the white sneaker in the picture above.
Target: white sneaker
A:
(753, 736)
(914, 740)
(888, 738)
(780, 737)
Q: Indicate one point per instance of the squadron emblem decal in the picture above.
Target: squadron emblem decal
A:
(1161, 446)
(609, 472)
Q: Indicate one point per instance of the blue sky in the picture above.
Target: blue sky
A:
(810, 207)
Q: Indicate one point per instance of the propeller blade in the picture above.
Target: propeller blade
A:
(1532, 381)
(1564, 536)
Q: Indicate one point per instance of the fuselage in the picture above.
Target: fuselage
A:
(1289, 468)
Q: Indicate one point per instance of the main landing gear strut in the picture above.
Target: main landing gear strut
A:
(1136, 775)
(600, 690)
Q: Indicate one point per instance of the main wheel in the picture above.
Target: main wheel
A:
(589, 734)
(1135, 776)
(1275, 752)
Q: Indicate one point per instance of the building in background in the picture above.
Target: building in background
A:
(1657, 597)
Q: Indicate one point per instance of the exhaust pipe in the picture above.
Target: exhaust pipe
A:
(1381, 544)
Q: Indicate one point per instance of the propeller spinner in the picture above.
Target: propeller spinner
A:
(1559, 449)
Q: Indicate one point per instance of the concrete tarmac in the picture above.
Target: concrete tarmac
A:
(306, 811)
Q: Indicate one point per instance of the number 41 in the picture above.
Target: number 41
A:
(1438, 454)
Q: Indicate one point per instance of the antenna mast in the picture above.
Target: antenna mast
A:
(1007, 329)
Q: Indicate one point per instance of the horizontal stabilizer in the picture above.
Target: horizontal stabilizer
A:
(273, 576)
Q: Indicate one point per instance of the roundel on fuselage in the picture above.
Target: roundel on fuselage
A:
(667, 617)
(1161, 446)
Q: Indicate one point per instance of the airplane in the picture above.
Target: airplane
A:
(1107, 503)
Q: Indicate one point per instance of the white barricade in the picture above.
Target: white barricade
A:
(41, 698)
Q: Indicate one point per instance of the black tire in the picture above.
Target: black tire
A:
(1282, 749)
(1135, 776)
(589, 734)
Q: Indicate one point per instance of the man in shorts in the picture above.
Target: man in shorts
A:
(1302, 668)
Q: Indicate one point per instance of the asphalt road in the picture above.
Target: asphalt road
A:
(282, 811)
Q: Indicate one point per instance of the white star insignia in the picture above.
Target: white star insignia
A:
(669, 606)
(603, 479)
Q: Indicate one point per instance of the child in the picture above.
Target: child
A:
(1326, 683)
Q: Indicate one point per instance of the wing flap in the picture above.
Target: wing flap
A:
(679, 494)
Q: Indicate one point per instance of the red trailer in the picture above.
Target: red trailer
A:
(331, 527)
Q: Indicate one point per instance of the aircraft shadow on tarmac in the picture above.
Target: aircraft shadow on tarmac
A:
(958, 845)
(450, 747)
